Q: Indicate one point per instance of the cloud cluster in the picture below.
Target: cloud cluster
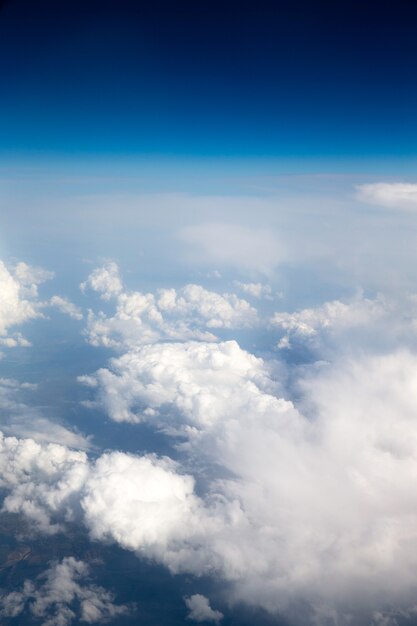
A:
(191, 312)
(315, 506)
(42, 481)
(186, 384)
(304, 506)
(20, 301)
(382, 323)
(144, 503)
(308, 325)
(59, 596)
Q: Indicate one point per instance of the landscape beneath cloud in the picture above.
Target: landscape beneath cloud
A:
(220, 393)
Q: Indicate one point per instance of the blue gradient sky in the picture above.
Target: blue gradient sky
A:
(290, 80)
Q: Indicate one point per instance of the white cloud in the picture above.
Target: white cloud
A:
(140, 502)
(200, 609)
(315, 507)
(233, 245)
(66, 306)
(382, 323)
(191, 312)
(256, 290)
(105, 280)
(390, 195)
(59, 596)
(308, 324)
(19, 302)
(41, 480)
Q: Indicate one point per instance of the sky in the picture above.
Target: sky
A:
(208, 313)
(279, 79)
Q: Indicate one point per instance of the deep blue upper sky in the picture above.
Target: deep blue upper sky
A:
(307, 78)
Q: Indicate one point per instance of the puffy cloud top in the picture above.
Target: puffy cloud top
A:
(188, 313)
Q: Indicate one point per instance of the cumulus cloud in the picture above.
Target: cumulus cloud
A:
(196, 379)
(233, 245)
(314, 506)
(144, 503)
(389, 195)
(59, 596)
(104, 280)
(19, 302)
(308, 503)
(379, 324)
(191, 312)
(309, 324)
(200, 609)
(42, 481)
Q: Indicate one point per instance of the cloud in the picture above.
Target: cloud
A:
(59, 596)
(194, 381)
(233, 245)
(19, 302)
(41, 480)
(104, 280)
(389, 195)
(312, 505)
(256, 290)
(191, 312)
(142, 503)
(308, 325)
(200, 609)
(66, 306)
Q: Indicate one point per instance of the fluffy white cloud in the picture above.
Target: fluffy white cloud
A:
(308, 324)
(66, 306)
(60, 596)
(42, 480)
(19, 302)
(140, 502)
(105, 280)
(389, 195)
(200, 609)
(316, 507)
(144, 503)
(188, 313)
(191, 382)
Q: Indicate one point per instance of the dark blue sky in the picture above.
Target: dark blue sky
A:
(318, 78)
